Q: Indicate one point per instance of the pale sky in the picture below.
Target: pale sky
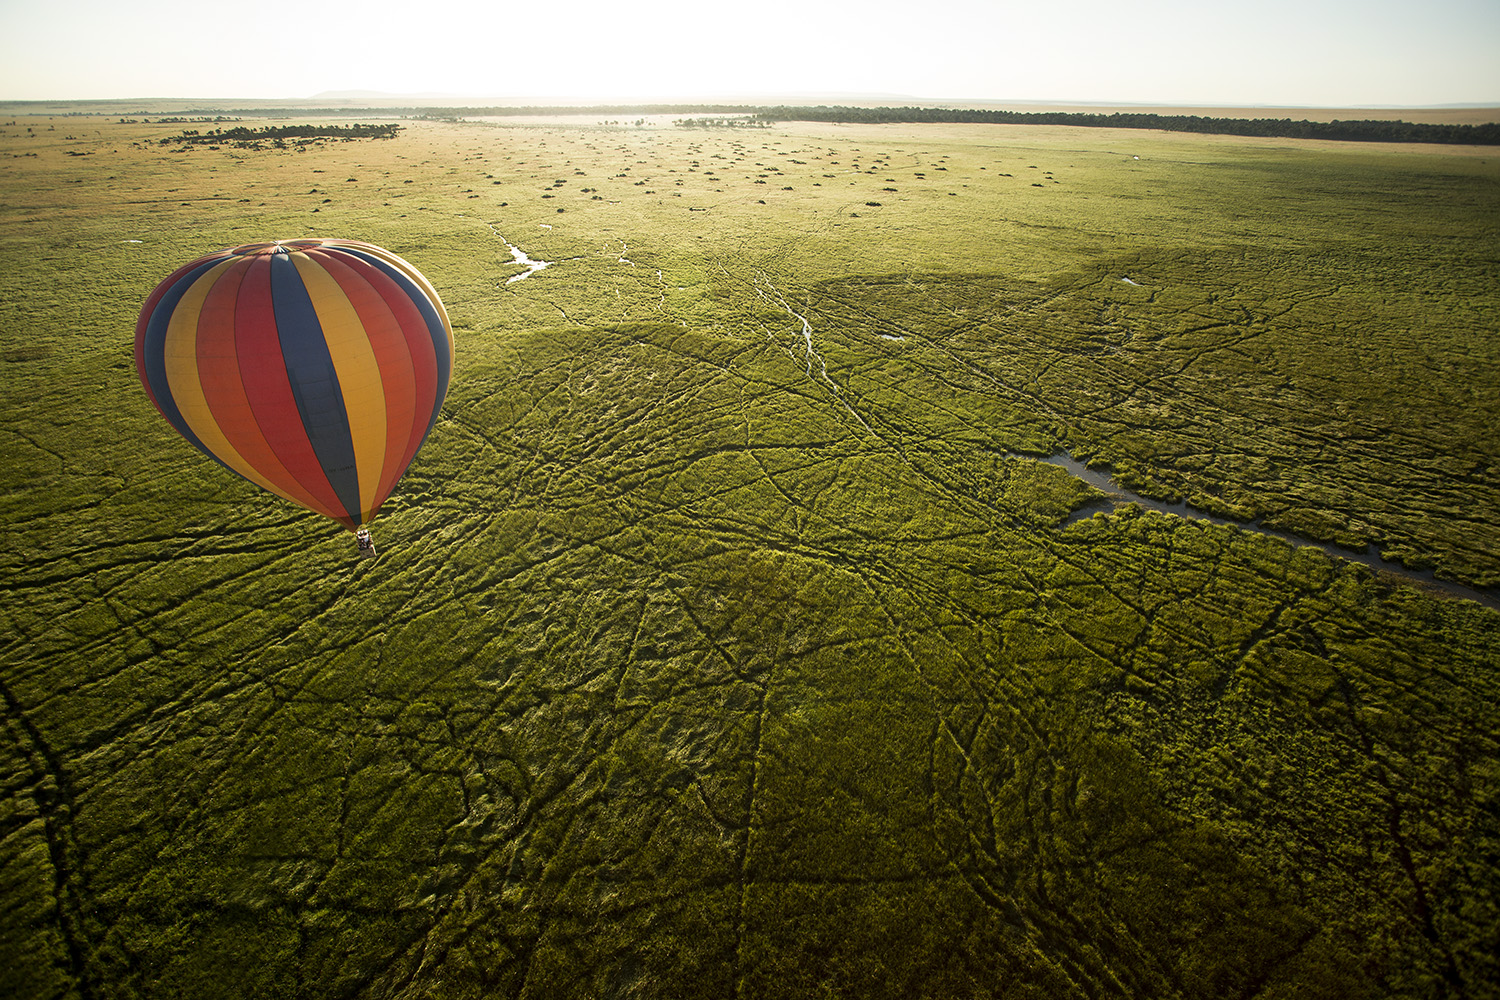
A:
(1319, 53)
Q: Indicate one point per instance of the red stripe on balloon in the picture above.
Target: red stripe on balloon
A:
(224, 388)
(263, 374)
(424, 369)
(356, 278)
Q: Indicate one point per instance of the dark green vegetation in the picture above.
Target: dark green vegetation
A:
(276, 136)
(1216, 398)
(719, 645)
(744, 121)
(1284, 128)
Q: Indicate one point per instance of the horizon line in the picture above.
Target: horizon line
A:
(354, 99)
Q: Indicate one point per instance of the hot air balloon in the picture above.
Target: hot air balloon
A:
(313, 368)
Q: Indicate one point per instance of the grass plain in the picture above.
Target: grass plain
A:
(723, 642)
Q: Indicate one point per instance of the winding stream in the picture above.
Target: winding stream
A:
(775, 297)
(1117, 494)
(532, 266)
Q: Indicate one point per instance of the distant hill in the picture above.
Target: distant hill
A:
(381, 98)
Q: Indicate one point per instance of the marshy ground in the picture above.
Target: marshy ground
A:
(724, 641)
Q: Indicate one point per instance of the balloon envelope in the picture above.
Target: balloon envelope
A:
(313, 368)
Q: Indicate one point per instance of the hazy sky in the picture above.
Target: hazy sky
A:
(1336, 53)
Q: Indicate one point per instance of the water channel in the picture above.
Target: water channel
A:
(532, 266)
(1118, 494)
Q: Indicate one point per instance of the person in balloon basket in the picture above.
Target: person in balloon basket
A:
(365, 542)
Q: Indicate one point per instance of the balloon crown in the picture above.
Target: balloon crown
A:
(274, 247)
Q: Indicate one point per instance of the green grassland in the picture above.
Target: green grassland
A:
(724, 641)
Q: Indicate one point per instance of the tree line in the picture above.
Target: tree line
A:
(1365, 130)
(241, 134)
